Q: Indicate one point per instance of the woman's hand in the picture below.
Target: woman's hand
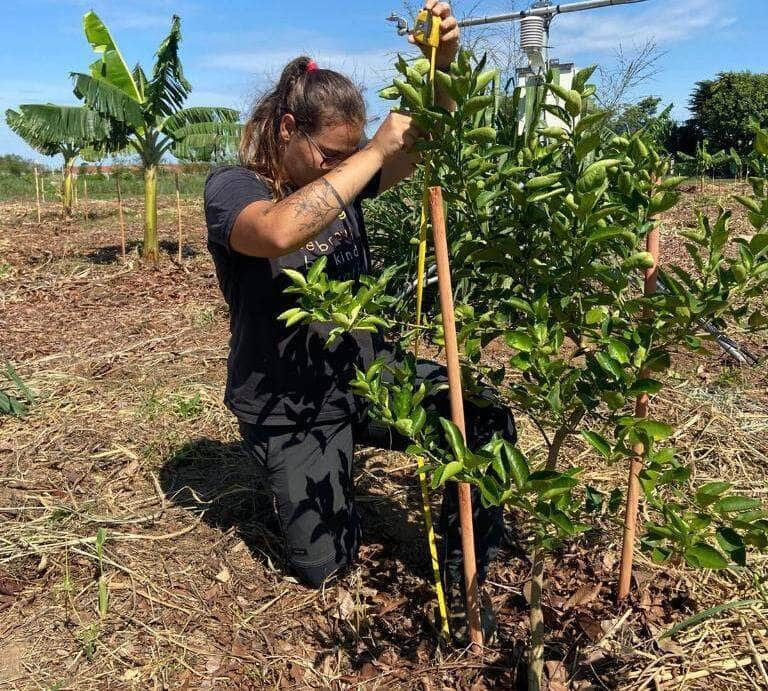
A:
(449, 33)
(396, 134)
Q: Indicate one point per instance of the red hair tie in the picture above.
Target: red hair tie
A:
(311, 66)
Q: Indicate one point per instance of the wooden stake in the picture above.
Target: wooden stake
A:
(37, 194)
(120, 213)
(85, 196)
(457, 410)
(178, 211)
(636, 465)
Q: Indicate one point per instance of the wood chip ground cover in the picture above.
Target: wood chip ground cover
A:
(129, 433)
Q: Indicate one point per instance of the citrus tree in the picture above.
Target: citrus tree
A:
(547, 231)
(150, 110)
(69, 131)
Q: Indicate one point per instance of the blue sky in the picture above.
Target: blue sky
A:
(232, 48)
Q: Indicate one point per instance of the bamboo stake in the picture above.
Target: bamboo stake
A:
(42, 188)
(178, 211)
(457, 411)
(37, 193)
(120, 213)
(74, 191)
(636, 465)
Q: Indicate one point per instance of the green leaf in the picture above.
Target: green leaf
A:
(571, 98)
(649, 386)
(618, 351)
(732, 544)
(409, 94)
(662, 201)
(518, 465)
(518, 340)
(168, 88)
(598, 442)
(296, 276)
(639, 260)
(704, 556)
(451, 470)
(609, 364)
(593, 177)
(596, 315)
(390, 93)
(581, 78)
(671, 183)
(591, 120)
(111, 67)
(735, 504)
(108, 99)
(486, 78)
(656, 430)
(476, 104)
(481, 135)
(318, 266)
(712, 490)
(455, 439)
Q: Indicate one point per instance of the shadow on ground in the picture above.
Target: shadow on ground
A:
(111, 254)
(219, 479)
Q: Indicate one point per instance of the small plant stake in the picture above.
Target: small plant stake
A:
(178, 211)
(457, 410)
(636, 464)
(37, 193)
(120, 214)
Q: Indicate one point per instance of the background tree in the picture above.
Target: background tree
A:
(724, 109)
(150, 110)
(69, 131)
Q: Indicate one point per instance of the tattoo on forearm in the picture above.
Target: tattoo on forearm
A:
(312, 205)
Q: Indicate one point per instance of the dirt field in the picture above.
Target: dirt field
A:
(129, 434)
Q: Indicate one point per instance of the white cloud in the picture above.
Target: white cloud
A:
(368, 68)
(665, 22)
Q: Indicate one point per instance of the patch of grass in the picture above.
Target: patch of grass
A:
(151, 407)
(187, 408)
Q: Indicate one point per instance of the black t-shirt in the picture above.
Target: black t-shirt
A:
(278, 375)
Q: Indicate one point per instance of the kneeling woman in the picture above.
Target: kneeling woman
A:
(294, 198)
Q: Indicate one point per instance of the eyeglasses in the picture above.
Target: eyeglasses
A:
(325, 160)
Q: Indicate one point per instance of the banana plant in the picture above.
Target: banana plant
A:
(70, 131)
(150, 109)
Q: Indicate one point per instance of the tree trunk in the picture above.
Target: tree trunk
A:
(66, 190)
(536, 616)
(151, 249)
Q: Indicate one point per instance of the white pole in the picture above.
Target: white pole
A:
(546, 11)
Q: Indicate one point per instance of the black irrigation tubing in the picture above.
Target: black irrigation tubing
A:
(727, 344)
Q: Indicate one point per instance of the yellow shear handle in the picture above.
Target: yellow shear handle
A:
(427, 32)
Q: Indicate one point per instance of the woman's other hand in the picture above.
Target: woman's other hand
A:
(398, 133)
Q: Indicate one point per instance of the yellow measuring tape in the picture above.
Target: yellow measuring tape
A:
(427, 32)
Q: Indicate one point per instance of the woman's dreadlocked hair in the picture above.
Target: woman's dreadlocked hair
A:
(313, 96)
